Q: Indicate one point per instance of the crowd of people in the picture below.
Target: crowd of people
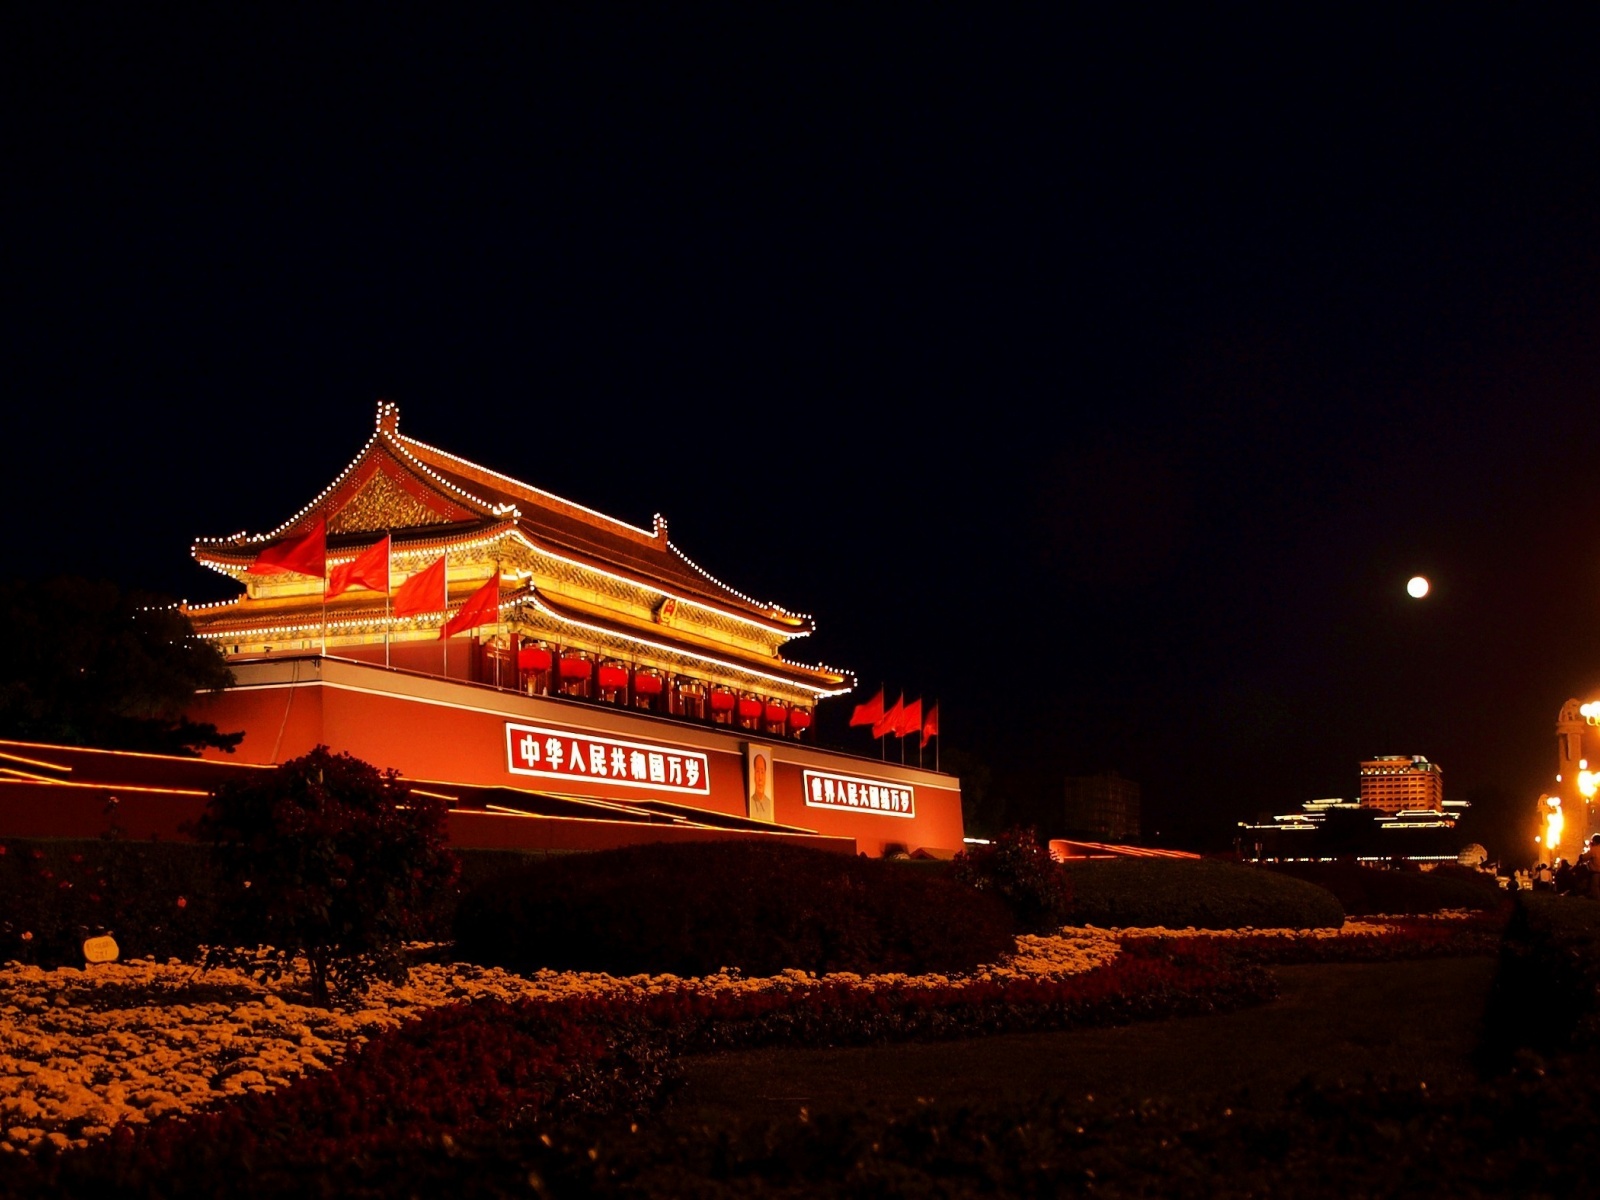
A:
(1581, 878)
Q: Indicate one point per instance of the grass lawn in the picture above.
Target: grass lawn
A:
(1416, 1021)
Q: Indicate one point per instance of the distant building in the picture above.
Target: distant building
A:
(1105, 806)
(1322, 830)
(1395, 783)
(1566, 812)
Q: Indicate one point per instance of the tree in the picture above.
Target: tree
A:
(1016, 867)
(328, 857)
(84, 663)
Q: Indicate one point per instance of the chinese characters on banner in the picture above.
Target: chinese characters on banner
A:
(566, 754)
(825, 790)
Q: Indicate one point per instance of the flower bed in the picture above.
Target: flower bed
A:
(82, 1051)
(467, 1069)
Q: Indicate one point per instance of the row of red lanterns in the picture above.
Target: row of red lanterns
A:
(579, 665)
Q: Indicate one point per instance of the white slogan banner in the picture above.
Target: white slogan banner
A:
(567, 755)
(853, 794)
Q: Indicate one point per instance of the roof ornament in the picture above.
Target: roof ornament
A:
(661, 526)
(388, 417)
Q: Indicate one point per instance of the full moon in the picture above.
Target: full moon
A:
(1418, 587)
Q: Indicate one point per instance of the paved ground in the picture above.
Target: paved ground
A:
(1417, 1021)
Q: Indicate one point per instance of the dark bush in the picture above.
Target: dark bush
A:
(1019, 870)
(762, 908)
(158, 899)
(1203, 893)
(328, 857)
(1367, 891)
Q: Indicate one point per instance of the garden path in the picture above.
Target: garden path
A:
(1414, 1021)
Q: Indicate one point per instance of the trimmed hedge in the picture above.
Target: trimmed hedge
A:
(696, 908)
(1205, 894)
(1366, 891)
(158, 899)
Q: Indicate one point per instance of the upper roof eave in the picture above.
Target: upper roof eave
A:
(825, 680)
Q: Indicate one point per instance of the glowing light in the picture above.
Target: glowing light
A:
(1552, 828)
(1417, 588)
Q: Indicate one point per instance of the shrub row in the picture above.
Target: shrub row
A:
(1476, 935)
(158, 899)
(1367, 891)
(762, 908)
(1203, 894)
(393, 1115)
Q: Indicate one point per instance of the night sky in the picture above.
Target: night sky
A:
(1104, 383)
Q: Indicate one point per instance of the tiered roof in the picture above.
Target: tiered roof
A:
(431, 500)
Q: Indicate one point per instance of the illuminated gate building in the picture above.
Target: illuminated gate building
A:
(617, 691)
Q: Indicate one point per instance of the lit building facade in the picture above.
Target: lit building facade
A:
(1395, 783)
(614, 670)
(1104, 806)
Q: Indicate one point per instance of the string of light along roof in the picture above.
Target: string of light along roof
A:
(511, 602)
(414, 552)
(399, 442)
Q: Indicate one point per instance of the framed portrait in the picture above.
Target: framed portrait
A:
(758, 783)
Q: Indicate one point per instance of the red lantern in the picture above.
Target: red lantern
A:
(574, 667)
(534, 658)
(749, 708)
(646, 683)
(775, 714)
(721, 700)
(613, 678)
(799, 719)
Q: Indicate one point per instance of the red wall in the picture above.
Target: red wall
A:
(433, 729)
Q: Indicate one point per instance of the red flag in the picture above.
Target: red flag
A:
(369, 570)
(303, 555)
(422, 593)
(869, 713)
(910, 719)
(481, 608)
(930, 724)
(890, 721)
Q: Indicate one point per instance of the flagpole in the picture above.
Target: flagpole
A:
(444, 619)
(883, 742)
(388, 590)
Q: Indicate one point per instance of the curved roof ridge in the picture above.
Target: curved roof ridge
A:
(385, 430)
(732, 591)
(532, 492)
